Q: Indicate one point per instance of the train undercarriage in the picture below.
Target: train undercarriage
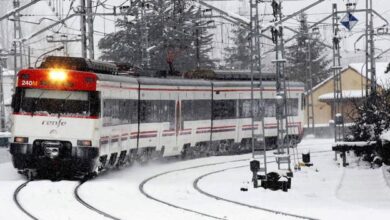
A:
(60, 160)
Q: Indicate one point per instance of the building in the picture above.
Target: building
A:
(8, 87)
(353, 86)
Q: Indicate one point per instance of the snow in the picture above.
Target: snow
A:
(385, 135)
(354, 144)
(382, 78)
(323, 191)
(347, 94)
(5, 156)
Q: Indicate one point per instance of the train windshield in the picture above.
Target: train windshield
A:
(56, 102)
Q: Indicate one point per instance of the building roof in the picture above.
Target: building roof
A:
(347, 94)
(8, 72)
(383, 79)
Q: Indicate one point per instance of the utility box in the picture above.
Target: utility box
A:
(339, 119)
(306, 157)
(255, 166)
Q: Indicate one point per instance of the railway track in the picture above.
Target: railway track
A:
(18, 203)
(76, 196)
(143, 183)
(87, 205)
(197, 188)
(195, 185)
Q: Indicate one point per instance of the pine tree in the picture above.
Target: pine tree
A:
(373, 117)
(238, 56)
(296, 55)
(172, 35)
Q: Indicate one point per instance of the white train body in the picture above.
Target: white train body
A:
(95, 121)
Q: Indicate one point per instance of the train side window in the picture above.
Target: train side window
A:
(303, 101)
(124, 110)
(94, 103)
(245, 108)
(170, 111)
(107, 112)
(134, 111)
(269, 108)
(224, 109)
(115, 119)
(292, 107)
(193, 110)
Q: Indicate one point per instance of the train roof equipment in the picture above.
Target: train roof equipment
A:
(112, 68)
(79, 64)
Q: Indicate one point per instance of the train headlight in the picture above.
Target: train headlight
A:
(86, 143)
(57, 75)
(21, 140)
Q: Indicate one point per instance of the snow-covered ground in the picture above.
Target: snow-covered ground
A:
(324, 191)
(4, 155)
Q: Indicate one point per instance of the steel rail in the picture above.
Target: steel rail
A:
(84, 203)
(274, 211)
(17, 202)
(142, 188)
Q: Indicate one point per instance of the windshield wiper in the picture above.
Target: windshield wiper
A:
(35, 103)
(63, 104)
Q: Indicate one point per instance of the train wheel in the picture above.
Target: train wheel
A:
(161, 153)
(185, 152)
(31, 174)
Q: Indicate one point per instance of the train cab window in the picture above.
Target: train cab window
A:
(56, 102)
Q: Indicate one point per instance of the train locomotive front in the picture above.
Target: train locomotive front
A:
(55, 120)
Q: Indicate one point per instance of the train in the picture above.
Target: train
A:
(79, 117)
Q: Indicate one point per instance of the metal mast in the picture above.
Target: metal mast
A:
(83, 29)
(144, 36)
(2, 109)
(338, 96)
(370, 50)
(282, 143)
(17, 43)
(258, 146)
(91, 49)
(309, 87)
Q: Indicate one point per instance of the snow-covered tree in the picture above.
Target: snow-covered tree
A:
(175, 33)
(238, 55)
(296, 55)
(373, 117)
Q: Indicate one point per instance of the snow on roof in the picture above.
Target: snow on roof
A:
(320, 84)
(8, 72)
(7, 101)
(347, 94)
(382, 78)
(5, 134)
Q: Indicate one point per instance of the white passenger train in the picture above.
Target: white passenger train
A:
(72, 116)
